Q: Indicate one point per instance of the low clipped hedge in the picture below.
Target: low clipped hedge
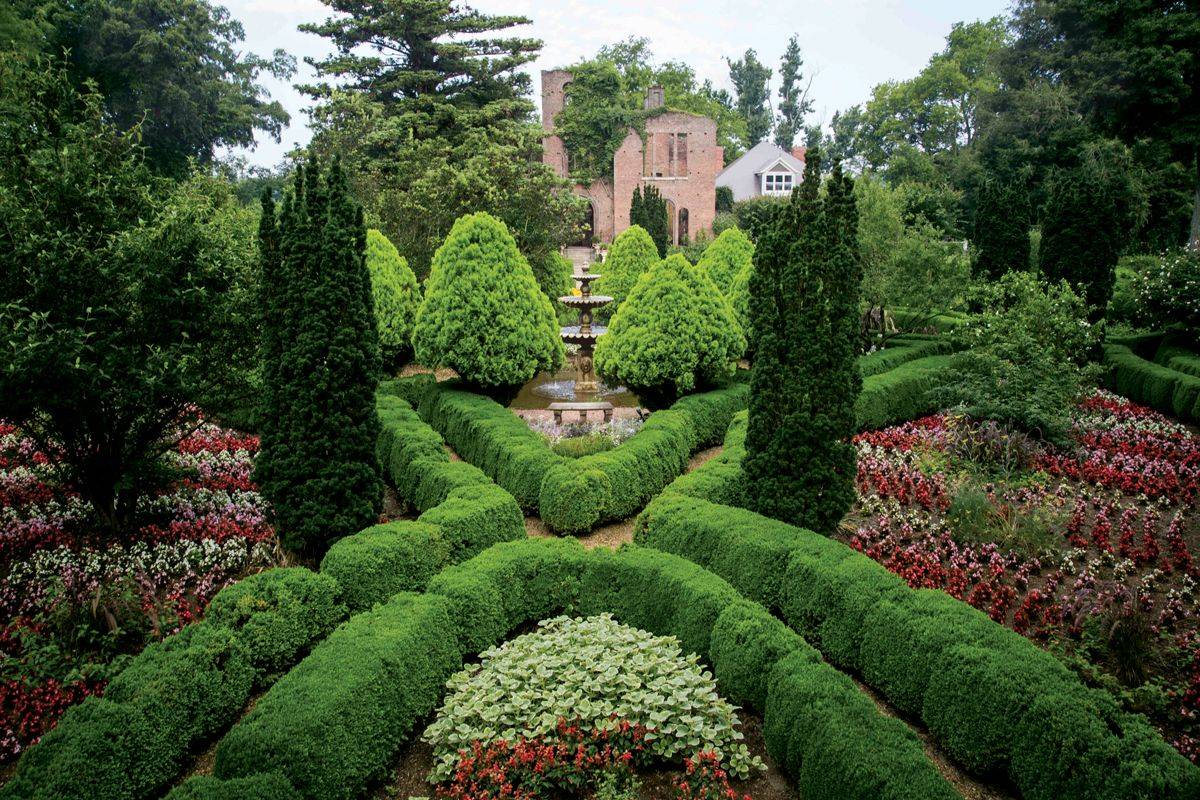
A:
(902, 393)
(181, 691)
(720, 478)
(578, 494)
(943, 322)
(267, 786)
(999, 704)
(491, 437)
(278, 614)
(333, 724)
(1143, 381)
(375, 563)
(464, 512)
(901, 350)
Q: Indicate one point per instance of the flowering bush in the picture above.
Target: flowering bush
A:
(76, 604)
(1113, 517)
(594, 670)
(1167, 291)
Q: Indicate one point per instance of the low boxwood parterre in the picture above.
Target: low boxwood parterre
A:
(999, 704)
(265, 786)
(902, 393)
(1160, 387)
(140, 733)
(901, 350)
(181, 691)
(336, 721)
(572, 495)
(463, 512)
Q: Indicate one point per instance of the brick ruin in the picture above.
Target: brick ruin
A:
(679, 156)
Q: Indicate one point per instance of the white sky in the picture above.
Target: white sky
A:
(851, 45)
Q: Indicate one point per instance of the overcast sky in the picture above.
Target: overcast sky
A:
(850, 45)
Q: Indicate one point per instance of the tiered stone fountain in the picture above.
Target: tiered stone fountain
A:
(587, 388)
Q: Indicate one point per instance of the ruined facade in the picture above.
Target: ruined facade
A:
(679, 156)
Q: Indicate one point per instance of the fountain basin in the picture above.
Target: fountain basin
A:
(551, 387)
(586, 301)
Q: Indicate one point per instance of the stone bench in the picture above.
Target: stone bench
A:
(583, 409)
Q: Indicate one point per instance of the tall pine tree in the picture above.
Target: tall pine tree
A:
(794, 102)
(804, 315)
(320, 354)
(425, 59)
(750, 77)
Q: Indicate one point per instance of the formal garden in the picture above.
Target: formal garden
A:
(364, 478)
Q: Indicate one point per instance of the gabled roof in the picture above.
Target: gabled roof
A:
(761, 158)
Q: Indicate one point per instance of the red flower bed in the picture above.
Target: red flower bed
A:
(1092, 534)
(195, 536)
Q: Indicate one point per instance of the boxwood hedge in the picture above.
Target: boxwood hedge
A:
(334, 722)
(132, 743)
(1143, 381)
(981, 688)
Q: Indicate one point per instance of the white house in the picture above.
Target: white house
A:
(765, 169)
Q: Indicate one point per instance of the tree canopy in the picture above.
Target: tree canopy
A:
(174, 69)
(124, 299)
(750, 78)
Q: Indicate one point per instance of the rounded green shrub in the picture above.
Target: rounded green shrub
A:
(484, 314)
(632, 254)
(397, 297)
(739, 300)
(278, 614)
(265, 786)
(728, 255)
(374, 564)
(675, 332)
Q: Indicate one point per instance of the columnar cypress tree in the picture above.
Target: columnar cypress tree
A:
(803, 313)
(1092, 210)
(320, 348)
(1001, 231)
(655, 209)
(637, 209)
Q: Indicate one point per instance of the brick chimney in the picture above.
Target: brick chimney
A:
(654, 97)
(798, 152)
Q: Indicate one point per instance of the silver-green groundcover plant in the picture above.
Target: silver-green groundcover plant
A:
(593, 671)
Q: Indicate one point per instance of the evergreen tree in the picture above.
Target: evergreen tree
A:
(637, 210)
(632, 254)
(397, 296)
(317, 465)
(654, 219)
(794, 101)
(429, 56)
(1001, 231)
(674, 333)
(1092, 210)
(800, 465)
(729, 254)
(483, 314)
(750, 77)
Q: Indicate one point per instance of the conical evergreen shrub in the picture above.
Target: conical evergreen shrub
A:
(1000, 234)
(729, 254)
(739, 301)
(674, 333)
(799, 463)
(484, 315)
(631, 255)
(320, 352)
(397, 296)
